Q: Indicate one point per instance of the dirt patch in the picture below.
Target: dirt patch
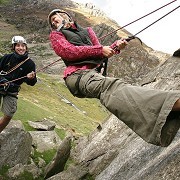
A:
(7, 31)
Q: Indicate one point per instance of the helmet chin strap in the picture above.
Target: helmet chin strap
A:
(64, 22)
(61, 25)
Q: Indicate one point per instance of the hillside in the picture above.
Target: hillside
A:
(49, 99)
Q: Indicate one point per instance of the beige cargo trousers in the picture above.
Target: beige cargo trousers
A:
(146, 111)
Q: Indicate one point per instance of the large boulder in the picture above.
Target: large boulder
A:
(115, 152)
(45, 140)
(44, 125)
(15, 145)
(59, 161)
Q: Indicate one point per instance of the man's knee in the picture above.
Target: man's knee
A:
(176, 106)
(4, 121)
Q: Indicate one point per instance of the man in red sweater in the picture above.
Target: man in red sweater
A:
(152, 114)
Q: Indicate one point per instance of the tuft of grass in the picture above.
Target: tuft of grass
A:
(88, 177)
(2, 2)
(46, 155)
(4, 170)
(25, 175)
(61, 133)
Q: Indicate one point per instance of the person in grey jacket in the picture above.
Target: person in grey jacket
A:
(153, 114)
(15, 68)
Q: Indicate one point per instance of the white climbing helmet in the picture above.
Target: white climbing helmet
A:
(53, 12)
(18, 39)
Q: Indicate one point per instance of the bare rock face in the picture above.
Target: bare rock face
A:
(138, 160)
(16, 171)
(15, 147)
(116, 153)
(59, 160)
(45, 125)
(73, 173)
(166, 76)
(45, 140)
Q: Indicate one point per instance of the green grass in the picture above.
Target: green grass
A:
(4, 1)
(4, 170)
(45, 100)
(46, 155)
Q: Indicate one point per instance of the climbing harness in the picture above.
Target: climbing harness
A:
(129, 38)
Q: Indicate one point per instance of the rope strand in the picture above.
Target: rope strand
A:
(155, 21)
(4, 84)
(48, 65)
(137, 19)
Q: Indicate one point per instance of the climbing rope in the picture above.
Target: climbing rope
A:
(39, 70)
(134, 36)
(137, 19)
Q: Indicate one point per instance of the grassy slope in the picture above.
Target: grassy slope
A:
(45, 100)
